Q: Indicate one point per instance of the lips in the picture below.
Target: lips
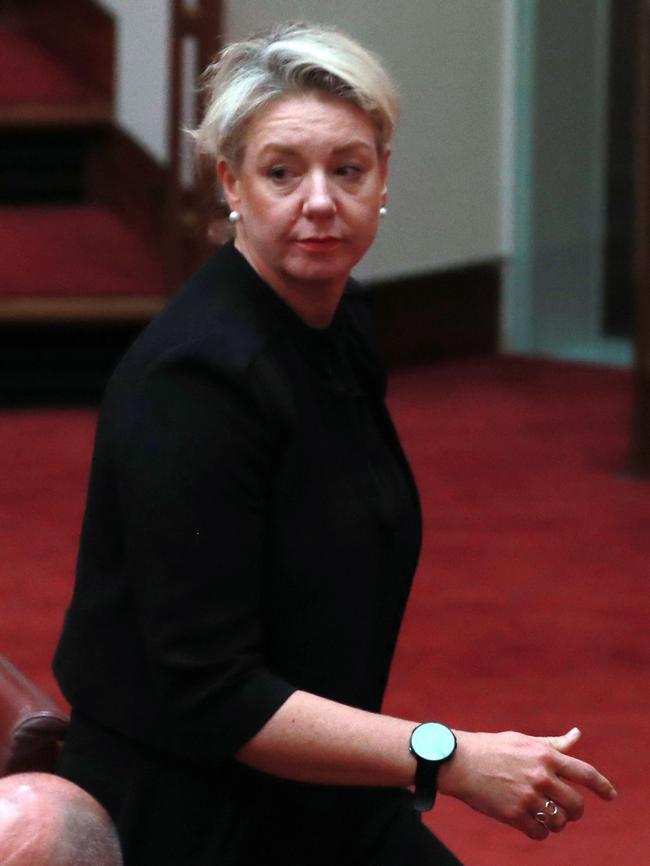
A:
(319, 244)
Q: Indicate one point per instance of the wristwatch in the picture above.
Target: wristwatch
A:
(432, 744)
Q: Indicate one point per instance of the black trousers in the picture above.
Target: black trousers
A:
(168, 812)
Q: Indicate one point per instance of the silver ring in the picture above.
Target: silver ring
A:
(550, 811)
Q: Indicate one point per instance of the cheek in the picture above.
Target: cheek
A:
(367, 220)
(268, 229)
(272, 214)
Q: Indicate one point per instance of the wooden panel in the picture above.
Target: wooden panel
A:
(440, 315)
(639, 463)
(190, 210)
(122, 309)
(125, 176)
(623, 99)
(91, 113)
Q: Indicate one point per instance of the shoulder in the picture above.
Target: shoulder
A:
(211, 345)
(214, 319)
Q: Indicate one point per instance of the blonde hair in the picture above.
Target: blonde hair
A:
(293, 58)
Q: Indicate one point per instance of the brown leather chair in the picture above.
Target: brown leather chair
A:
(32, 726)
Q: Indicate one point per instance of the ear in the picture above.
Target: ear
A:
(383, 170)
(229, 182)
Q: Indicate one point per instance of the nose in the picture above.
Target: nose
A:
(319, 202)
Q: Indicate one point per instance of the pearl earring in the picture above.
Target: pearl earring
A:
(234, 216)
(382, 211)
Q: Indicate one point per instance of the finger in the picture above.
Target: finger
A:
(566, 742)
(551, 816)
(557, 822)
(568, 799)
(533, 829)
(584, 774)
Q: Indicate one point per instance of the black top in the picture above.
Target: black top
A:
(252, 528)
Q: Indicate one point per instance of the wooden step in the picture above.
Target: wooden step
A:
(39, 89)
(76, 263)
(37, 115)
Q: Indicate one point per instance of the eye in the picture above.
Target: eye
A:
(279, 173)
(349, 171)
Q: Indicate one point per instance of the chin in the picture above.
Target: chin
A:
(328, 269)
(322, 275)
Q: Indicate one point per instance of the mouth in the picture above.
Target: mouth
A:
(319, 244)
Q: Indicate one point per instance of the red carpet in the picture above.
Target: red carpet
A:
(530, 609)
(80, 251)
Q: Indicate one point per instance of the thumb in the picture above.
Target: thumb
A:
(566, 742)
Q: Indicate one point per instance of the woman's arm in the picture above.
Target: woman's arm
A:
(312, 739)
(508, 776)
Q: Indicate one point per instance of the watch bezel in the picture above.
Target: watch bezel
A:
(433, 742)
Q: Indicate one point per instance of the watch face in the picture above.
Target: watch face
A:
(433, 741)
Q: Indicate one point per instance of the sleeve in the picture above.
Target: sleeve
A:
(196, 487)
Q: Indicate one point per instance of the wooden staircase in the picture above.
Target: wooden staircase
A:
(62, 238)
(81, 205)
(39, 84)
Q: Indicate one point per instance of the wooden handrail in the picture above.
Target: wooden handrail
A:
(196, 38)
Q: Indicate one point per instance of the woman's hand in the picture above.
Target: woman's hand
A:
(507, 776)
(511, 776)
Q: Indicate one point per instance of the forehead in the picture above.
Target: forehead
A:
(310, 121)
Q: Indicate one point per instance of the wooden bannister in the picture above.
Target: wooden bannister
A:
(639, 462)
(191, 199)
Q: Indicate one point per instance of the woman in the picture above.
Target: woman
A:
(252, 526)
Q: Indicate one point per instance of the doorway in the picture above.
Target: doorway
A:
(569, 285)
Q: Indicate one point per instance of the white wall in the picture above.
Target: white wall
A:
(445, 201)
(143, 31)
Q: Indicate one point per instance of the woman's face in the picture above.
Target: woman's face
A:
(308, 190)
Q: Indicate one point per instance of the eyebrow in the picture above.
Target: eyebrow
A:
(356, 144)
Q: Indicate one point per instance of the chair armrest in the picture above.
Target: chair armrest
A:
(32, 726)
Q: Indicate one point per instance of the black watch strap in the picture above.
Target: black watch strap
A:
(426, 785)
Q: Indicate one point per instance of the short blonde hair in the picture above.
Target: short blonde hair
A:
(293, 58)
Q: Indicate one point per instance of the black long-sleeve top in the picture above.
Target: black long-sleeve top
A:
(252, 528)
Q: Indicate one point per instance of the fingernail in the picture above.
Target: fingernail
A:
(613, 794)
